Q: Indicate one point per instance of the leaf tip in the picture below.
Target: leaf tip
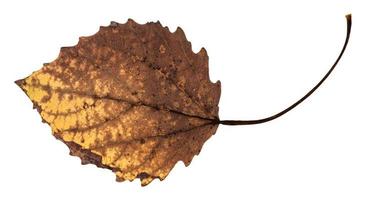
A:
(20, 83)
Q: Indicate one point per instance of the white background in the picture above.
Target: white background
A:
(267, 54)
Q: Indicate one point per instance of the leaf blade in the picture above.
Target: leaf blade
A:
(131, 98)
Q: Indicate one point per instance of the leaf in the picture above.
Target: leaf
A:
(131, 98)
(134, 99)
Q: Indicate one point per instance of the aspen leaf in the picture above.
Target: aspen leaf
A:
(132, 98)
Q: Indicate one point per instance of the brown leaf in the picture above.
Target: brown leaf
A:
(134, 99)
(131, 98)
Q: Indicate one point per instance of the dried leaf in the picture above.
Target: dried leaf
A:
(131, 98)
(134, 99)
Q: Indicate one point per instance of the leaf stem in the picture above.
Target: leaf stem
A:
(267, 119)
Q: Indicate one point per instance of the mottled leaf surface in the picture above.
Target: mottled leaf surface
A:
(131, 98)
